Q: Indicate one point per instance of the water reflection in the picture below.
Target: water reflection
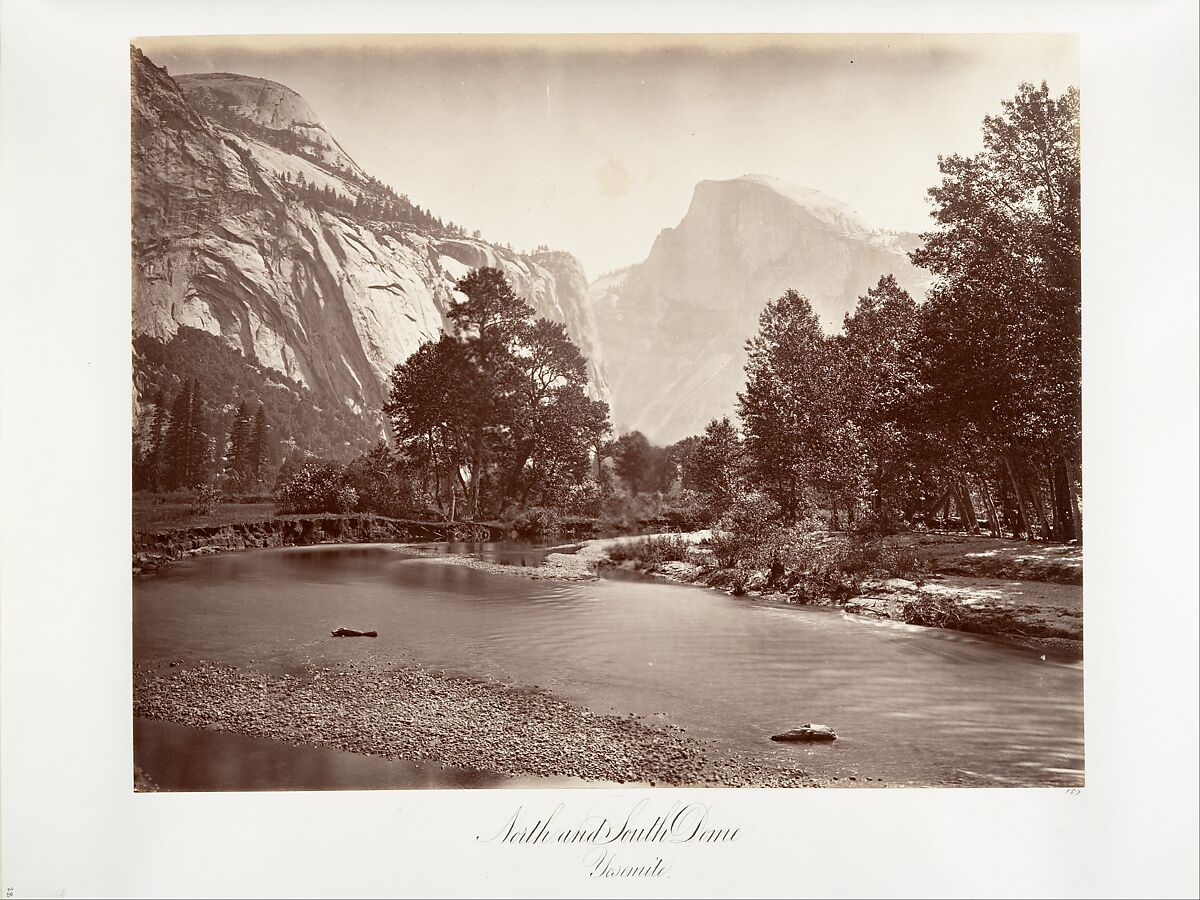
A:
(199, 759)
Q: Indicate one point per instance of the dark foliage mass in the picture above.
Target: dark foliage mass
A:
(970, 401)
(496, 414)
(216, 414)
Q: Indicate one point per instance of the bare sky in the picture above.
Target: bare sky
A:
(593, 144)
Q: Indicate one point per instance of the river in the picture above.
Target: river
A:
(911, 705)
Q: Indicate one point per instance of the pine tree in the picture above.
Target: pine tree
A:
(187, 447)
(154, 462)
(258, 455)
(201, 446)
(177, 451)
(237, 454)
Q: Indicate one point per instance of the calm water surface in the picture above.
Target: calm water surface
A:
(910, 705)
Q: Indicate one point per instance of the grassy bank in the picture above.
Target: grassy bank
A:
(161, 512)
(154, 549)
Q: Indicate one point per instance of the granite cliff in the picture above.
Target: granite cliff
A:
(252, 223)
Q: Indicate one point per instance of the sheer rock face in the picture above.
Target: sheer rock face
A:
(221, 243)
(674, 327)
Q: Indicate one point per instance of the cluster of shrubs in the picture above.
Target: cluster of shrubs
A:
(316, 488)
(612, 510)
(688, 511)
(536, 520)
(378, 482)
(585, 499)
(375, 482)
(750, 548)
(204, 500)
(650, 551)
(803, 559)
(682, 510)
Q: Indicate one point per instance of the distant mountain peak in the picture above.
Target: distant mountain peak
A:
(797, 193)
(825, 207)
(674, 327)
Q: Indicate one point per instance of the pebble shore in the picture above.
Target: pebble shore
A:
(417, 714)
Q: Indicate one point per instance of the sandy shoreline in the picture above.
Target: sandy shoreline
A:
(413, 713)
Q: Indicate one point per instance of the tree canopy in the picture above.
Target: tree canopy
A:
(974, 393)
(497, 411)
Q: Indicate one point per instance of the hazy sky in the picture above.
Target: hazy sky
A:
(593, 144)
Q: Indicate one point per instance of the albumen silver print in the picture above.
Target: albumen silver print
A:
(556, 411)
(532, 449)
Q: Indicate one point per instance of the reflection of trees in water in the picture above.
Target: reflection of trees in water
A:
(181, 758)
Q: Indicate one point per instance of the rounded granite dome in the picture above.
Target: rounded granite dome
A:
(266, 104)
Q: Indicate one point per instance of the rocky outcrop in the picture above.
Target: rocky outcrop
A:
(674, 327)
(807, 733)
(223, 241)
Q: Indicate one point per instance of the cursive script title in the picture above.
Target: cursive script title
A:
(639, 824)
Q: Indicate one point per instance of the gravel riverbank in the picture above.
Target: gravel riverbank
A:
(414, 713)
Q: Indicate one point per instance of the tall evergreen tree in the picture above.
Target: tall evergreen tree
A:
(154, 462)
(202, 443)
(237, 455)
(177, 450)
(187, 447)
(259, 449)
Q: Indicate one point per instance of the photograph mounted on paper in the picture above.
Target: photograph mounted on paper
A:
(582, 410)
